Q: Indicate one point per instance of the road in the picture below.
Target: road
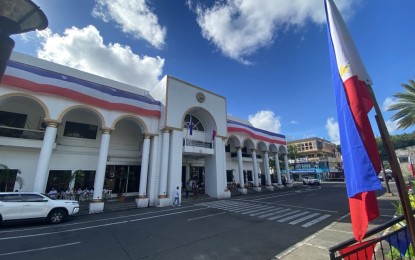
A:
(255, 226)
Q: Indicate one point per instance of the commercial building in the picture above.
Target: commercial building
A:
(316, 157)
(60, 127)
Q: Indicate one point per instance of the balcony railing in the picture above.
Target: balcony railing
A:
(7, 131)
(197, 143)
(246, 155)
(383, 247)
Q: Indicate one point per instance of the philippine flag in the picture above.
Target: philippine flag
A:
(361, 158)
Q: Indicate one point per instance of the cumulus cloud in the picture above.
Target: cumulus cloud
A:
(392, 126)
(266, 120)
(332, 128)
(134, 17)
(238, 28)
(388, 102)
(84, 49)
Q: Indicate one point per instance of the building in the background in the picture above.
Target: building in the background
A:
(63, 128)
(315, 157)
(406, 158)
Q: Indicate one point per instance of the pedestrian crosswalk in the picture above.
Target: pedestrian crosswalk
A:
(305, 218)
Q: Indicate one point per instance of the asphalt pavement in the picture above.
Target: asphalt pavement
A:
(313, 247)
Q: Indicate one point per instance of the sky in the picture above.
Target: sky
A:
(268, 58)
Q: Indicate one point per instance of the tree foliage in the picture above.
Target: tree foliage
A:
(398, 141)
(404, 106)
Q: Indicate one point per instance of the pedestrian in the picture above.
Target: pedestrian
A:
(176, 197)
(194, 188)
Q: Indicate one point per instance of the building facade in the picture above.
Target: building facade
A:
(316, 157)
(67, 129)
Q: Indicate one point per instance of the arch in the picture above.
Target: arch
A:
(33, 98)
(249, 144)
(261, 146)
(140, 122)
(203, 115)
(282, 149)
(83, 107)
(273, 148)
(234, 141)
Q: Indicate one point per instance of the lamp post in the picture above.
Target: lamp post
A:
(17, 16)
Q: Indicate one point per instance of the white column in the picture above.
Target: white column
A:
(45, 154)
(255, 168)
(102, 164)
(277, 166)
(241, 169)
(144, 167)
(164, 163)
(286, 168)
(266, 165)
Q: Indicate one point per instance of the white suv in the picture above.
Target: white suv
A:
(310, 181)
(16, 206)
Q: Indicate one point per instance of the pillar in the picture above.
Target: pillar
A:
(142, 200)
(97, 205)
(242, 188)
(45, 155)
(287, 169)
(277, 166)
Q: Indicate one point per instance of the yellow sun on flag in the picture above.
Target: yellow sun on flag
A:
(344, 69)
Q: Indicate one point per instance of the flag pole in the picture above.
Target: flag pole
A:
(396, 170)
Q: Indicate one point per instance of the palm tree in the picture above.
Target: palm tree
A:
(405, 106)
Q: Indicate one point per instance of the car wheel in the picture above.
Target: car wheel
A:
(56, 216)
(304, 183)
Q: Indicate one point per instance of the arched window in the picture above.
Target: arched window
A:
(196, 123)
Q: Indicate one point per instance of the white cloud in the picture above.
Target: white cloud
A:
(85, 50)
(388, 102)
(294, 122)
(134, 17)
(266, 120)
(332, 128)
(240, 27)
(392, 126)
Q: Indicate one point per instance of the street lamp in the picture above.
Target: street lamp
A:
(17, 16)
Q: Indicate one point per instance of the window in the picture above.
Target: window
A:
(80, 130)
(9, 119)
(33, 198)
(12, 198)
(196, 123)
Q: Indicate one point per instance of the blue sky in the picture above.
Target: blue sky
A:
(269, 58)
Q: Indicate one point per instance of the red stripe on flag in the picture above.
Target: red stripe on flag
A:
(363, 208)
(360, 104)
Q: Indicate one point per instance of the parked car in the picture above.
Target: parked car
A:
(310, 181)
(19, 206)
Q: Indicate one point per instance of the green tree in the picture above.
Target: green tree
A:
(405, 106)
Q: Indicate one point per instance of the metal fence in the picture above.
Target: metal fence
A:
(388, 241)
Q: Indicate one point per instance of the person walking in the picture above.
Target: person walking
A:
(176, 197)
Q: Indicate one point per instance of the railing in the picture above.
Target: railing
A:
(15, 132)
(246, 155)
(196, 143)
(378, 247)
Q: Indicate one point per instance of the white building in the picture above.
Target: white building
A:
(62, 127)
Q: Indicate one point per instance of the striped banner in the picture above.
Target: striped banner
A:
(256, 133)
(40, 80)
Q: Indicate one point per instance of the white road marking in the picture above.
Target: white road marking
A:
(264, 211)
(191, 219)
(97, 226)
(283, 215)
(273, 212)
(316, 220)
(293, 216)
(39, 249)
(303, 218)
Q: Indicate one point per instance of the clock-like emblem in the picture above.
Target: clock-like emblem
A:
(200, 97)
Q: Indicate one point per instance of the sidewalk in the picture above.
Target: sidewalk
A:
(316, 246)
